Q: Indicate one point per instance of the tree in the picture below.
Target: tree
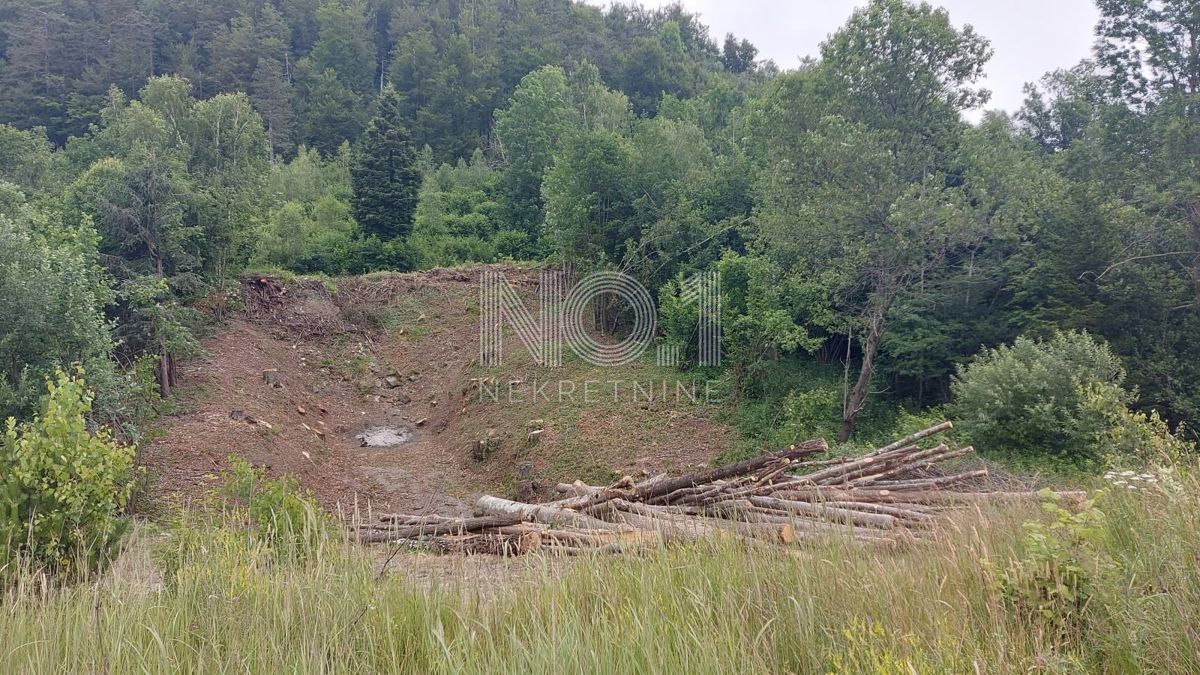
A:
(738, 57)
(905, 68)
(588, 194)
(271, 94)
(64, 486)
(529, 129)
(331, 112)
(1149, 48)
(859, 202)
(52, 295)
(344, 45)
(384, 174)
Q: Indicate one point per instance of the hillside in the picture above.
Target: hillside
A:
(291, 382)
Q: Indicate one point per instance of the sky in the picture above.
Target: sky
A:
(1030, 37)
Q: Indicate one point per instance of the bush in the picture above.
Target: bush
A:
(52, 299)
(63, 487)
(280, 514)
(1037, 399)
(1049, 588)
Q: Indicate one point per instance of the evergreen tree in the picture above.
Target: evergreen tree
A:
(384, 175)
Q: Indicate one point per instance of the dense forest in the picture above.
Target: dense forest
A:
(153, 150)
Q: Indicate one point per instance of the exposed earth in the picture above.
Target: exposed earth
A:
(367, 390)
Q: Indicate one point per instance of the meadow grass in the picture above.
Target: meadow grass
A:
(232, 601)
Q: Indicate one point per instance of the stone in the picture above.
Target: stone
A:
(273, 378)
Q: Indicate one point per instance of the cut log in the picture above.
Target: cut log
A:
(807, 448)
(925, 483)
(458, 526)
(541, 513)
(485, 544)
(909, 440)
(826, 513)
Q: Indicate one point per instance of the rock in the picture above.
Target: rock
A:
(237, 415)
(300, 409)
(391, 382)
(421, 422)
(273, 378)
(535, 435)
(403, 398)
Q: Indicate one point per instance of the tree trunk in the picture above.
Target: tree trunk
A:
(164, 369)
(858, 396)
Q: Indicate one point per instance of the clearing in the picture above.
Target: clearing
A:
(311, 373)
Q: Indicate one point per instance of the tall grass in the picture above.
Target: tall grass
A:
(229, 602)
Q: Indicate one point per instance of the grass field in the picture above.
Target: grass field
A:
(1114, 588)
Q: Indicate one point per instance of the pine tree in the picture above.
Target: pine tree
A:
(384, 174)
(271, 94)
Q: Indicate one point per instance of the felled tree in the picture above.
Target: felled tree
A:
(384, 174)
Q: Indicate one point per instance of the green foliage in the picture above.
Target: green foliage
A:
(65, 487)
(1049, 588)
(1137, 439)
(52, 295)
(279, 513)
(588, 195)
(1040, 398)
(384, 174)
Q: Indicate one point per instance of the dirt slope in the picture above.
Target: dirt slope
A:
(292, 381)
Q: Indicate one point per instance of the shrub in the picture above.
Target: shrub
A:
(281, 515)
(52, 299)
(1048, 589)
(63, 487)
(1040, 398)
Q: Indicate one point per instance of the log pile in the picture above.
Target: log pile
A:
(894, 494)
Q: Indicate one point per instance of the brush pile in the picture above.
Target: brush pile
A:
(892, 495)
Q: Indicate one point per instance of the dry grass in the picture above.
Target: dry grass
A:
(227, 602)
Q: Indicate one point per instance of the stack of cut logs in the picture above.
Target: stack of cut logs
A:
(891, 495)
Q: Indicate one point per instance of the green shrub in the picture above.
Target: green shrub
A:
(1049, 588)
(279, 513)
(1037, 399)
(64, 487)
(52, 299)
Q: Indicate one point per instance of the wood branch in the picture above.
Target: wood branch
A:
(651, 489)
(886, 497)
(899, 512)
(921, 460)
(807, 448)
(485, 544)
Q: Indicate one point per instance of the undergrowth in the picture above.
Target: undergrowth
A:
(1111, 587)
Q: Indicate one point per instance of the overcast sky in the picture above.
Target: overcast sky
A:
(1031, 37)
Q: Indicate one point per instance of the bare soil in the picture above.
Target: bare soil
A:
(293, 380)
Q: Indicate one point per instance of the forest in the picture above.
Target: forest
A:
(1034, 276)
(154, 151)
